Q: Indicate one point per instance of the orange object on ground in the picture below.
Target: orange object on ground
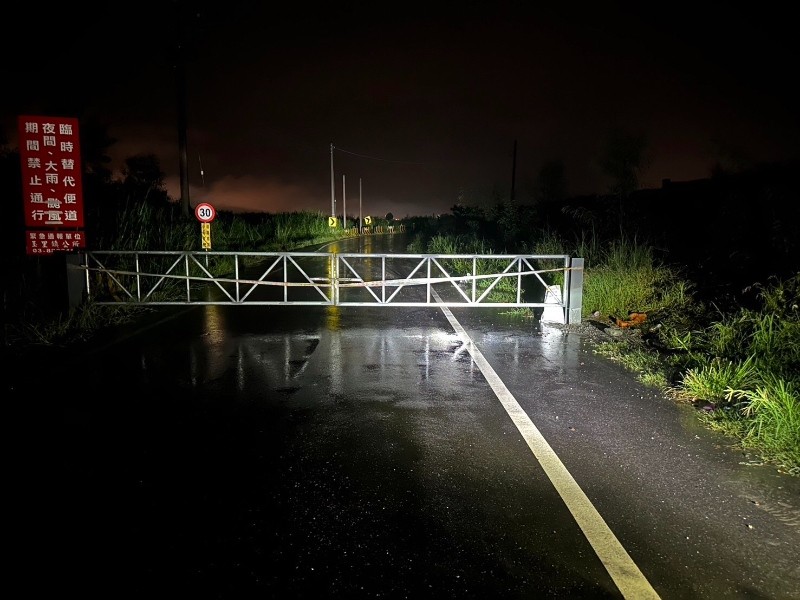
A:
(634, 318)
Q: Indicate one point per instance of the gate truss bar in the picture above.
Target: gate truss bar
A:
(345, 279)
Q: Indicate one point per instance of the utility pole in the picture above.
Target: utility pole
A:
(333, 187)
(180, 77)
(344, 206)
(359, 205)
(514, 171)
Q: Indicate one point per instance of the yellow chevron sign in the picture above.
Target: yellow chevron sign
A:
(367, 220)
(333, 222)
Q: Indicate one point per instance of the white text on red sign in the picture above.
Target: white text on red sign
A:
(48, 242)
(51, 171)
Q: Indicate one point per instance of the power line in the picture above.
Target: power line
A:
(404, 162)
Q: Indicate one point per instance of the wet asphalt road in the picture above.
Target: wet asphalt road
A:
(320, 452)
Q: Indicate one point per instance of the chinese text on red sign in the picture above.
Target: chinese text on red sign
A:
(50, 154)
(48, 242)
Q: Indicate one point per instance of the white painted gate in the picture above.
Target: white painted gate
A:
(552, 282)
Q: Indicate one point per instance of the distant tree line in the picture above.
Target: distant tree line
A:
(732, 228)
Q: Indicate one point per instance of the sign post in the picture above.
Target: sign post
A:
(205, 213)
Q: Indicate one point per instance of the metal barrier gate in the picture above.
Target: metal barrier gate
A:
(341, 279)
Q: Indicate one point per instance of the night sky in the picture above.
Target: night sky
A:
(424, 103)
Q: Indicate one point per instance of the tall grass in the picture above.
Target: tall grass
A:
(624, 277)
(741, 368)
(773, 413)
(142, 226)
(763, 346)
(290, 230)
(504, 290)
(714, 380)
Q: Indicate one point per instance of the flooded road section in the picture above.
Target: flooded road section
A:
(299, 452)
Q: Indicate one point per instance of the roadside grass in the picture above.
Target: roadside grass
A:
(66, 329)
(505, 289)
(771, 413)
(502, 290)
(740, 370)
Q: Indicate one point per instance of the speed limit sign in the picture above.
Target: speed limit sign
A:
(204, 212)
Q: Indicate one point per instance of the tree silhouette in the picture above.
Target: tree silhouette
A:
(144, 179)
(550, 188)
(624, 161)
(95, 144)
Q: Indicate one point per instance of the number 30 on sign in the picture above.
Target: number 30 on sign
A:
(204, 212)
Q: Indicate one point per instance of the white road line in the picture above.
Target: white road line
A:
(630, 581)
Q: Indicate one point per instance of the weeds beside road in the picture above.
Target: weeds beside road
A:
(740, 369)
